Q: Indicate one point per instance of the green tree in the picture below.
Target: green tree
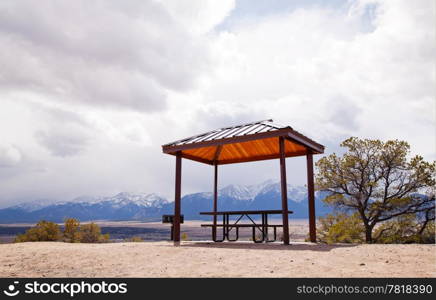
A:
(376, 180)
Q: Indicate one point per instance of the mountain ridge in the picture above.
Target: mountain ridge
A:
(126, 206)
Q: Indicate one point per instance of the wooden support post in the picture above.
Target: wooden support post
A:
(215, 200)
(177, 198)
(216, 156)
(284, 191)
(311, 198)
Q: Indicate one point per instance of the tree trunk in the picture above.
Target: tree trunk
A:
(367, 225)
(368, 234)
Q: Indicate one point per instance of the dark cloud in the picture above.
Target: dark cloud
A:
(65, 133)
(10, 156)
(345, 114)
(61, 145)
(226, 114)
(108, 53)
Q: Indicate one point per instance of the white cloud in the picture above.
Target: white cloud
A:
(123, 54)
(324, 72)
(85, 109)
(9, 156)
(199, 16)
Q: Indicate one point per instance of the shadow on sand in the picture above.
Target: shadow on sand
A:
(268, 246)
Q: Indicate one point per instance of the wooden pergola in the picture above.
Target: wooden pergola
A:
(254, 141)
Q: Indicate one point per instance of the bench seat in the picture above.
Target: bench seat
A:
(228, 227)
(241, 225)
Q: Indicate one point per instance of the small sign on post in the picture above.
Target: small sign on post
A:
(170, 219)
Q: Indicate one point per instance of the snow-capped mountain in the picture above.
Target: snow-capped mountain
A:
(122, 206)
(34, 205)
(122, 199)
(238, 192)
(250, 192)
(128, 206)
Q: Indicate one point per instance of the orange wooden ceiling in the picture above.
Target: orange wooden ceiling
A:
(260, 149)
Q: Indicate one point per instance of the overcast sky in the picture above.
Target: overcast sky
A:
(90, 90)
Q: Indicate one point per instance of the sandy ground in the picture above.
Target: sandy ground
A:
(202, 259)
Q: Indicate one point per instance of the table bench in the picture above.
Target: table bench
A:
(227, 226)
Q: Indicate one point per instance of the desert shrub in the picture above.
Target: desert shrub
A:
(72, 230)
(428, 235)
(259, 236)
(134, 239)
(340, 228)
(184, 236)
(405, 229)
(43, 231)
(345, 228)
(20, 238)
(91, 233)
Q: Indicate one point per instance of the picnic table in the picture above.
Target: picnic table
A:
(228, 227)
